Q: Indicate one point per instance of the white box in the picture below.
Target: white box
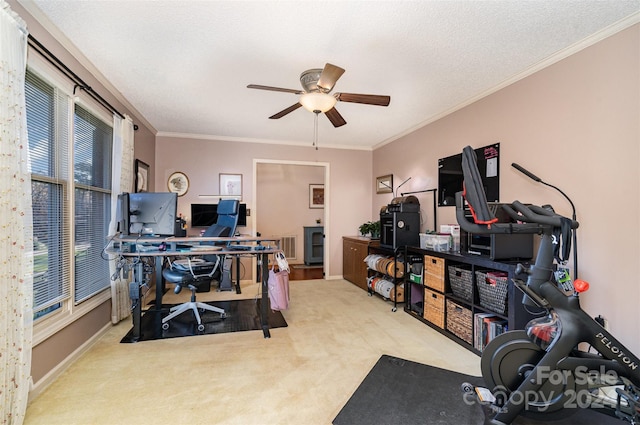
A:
(454, 231)
(450, 229)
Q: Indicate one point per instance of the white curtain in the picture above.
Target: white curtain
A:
(122, 181)
(16, 227)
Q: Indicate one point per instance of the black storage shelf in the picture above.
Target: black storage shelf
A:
(397, 255)
(515, 315)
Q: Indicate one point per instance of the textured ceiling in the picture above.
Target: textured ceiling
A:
(184, 65)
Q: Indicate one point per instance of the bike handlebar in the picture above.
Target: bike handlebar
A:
(531, 219)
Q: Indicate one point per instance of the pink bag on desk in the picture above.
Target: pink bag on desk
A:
(278, 289)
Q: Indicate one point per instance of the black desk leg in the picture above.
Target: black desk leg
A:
(238, 275)
(160, 288)
(264, 304)
(135, 293)
(159, 283)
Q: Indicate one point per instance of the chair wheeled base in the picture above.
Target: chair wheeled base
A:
(191, 305)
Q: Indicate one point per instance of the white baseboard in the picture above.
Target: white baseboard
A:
(38, 387)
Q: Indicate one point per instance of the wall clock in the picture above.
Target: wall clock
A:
(178, 182)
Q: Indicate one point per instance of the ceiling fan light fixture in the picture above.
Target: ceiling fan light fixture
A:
(316, 101)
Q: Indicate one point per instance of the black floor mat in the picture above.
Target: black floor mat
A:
(241, 315)
(398, 391)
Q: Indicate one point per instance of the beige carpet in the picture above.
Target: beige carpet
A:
(303, 374)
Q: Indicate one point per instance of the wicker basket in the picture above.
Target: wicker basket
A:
(459, 321)
(434, 273)
(492, 289)
(434, 308)
(461, 281)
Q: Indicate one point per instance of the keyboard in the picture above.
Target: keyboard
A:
(146, 248)
(205, 248)
(240, 247)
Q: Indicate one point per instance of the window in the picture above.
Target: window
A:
(92, 176)
(71, 190)
(48, 150)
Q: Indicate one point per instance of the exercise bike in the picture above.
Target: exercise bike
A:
(541, 370)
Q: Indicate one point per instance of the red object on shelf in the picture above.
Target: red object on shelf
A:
(581, 285)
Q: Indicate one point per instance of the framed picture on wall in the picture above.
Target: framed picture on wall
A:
(384, 184)
(178, 182)
(231, 185)
(142, 176)
(316, 196)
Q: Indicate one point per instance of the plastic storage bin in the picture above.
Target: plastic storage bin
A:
(435, 242)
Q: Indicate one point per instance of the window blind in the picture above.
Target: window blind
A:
(93, 140)
(48, 133)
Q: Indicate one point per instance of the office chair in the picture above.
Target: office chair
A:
(195, 272)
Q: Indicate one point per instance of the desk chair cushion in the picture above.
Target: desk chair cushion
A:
(197, 266)
(228, 207)
(228, 214)
(216, 230)
(180, 274)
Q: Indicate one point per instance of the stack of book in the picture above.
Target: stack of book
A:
(486, 326)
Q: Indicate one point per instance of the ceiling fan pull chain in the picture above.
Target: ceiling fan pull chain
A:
(315, 130)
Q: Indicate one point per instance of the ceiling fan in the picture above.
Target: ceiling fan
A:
(317, 84)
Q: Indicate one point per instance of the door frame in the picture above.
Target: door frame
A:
(327, 200)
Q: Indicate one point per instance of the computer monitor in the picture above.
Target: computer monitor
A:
(153, 213)
(122, 213)
(204, 215)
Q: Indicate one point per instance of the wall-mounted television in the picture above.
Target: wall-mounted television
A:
(450, 176)
(204, 215)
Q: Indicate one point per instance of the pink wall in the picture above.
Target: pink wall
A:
(575, 124)
(349, 191)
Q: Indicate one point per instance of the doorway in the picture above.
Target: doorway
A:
(284, 207)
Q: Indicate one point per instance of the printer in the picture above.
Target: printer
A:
(400, 223)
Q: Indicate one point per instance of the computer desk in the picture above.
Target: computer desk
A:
(259, 247)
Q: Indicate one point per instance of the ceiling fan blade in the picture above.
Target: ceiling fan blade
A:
(258, 86)
(367, 99)
(285, 111)
(329, 76)
(335, 117)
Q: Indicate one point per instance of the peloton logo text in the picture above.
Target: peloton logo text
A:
(616, 351)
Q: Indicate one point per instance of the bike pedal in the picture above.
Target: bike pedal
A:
(484, 395)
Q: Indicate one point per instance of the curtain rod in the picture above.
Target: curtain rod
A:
(53, 60)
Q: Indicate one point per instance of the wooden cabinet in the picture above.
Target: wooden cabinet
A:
(313, 245)
(468, 298)
(354, 250)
